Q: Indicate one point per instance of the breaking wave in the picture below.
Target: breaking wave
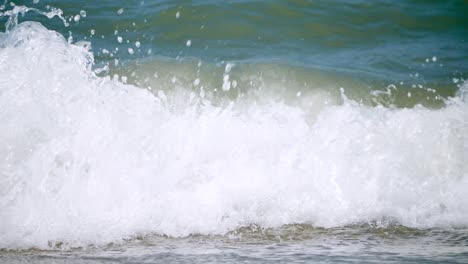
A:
(91, 160)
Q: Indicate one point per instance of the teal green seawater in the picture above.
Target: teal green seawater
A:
(249, 132)
(378, 43)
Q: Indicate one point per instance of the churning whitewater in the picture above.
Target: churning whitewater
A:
(90, 160)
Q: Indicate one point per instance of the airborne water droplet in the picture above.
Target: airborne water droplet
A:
(228, 67)
(226, 83)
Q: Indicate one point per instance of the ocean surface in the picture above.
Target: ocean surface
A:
(233, 131)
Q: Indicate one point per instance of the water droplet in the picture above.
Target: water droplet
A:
(119, 39)
(83, 13)
(434, 59)
(188, 43)
(76, 18)
(177, 15)
(93, 31)
(120, 11)
(196, 82)
(137, 44)
(228, 67)
(202, 92)
(226, 83)
(131, 51)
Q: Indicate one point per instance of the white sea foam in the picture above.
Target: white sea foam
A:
(89, 160)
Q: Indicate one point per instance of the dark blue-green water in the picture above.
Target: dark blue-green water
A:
(378, 42)
(233, 131)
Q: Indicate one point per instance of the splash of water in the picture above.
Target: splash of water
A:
(22, 10)
(89, 160)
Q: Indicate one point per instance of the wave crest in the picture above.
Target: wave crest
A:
(89, 160)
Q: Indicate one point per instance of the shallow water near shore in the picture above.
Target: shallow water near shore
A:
(236, 131)
(292, 244)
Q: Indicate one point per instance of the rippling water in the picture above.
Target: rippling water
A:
(233, 131)
(292, 244)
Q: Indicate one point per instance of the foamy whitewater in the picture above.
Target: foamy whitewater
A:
(90, 160)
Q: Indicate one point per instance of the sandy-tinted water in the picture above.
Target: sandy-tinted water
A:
(234, 131)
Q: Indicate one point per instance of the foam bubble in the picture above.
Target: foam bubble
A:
(89, 160)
